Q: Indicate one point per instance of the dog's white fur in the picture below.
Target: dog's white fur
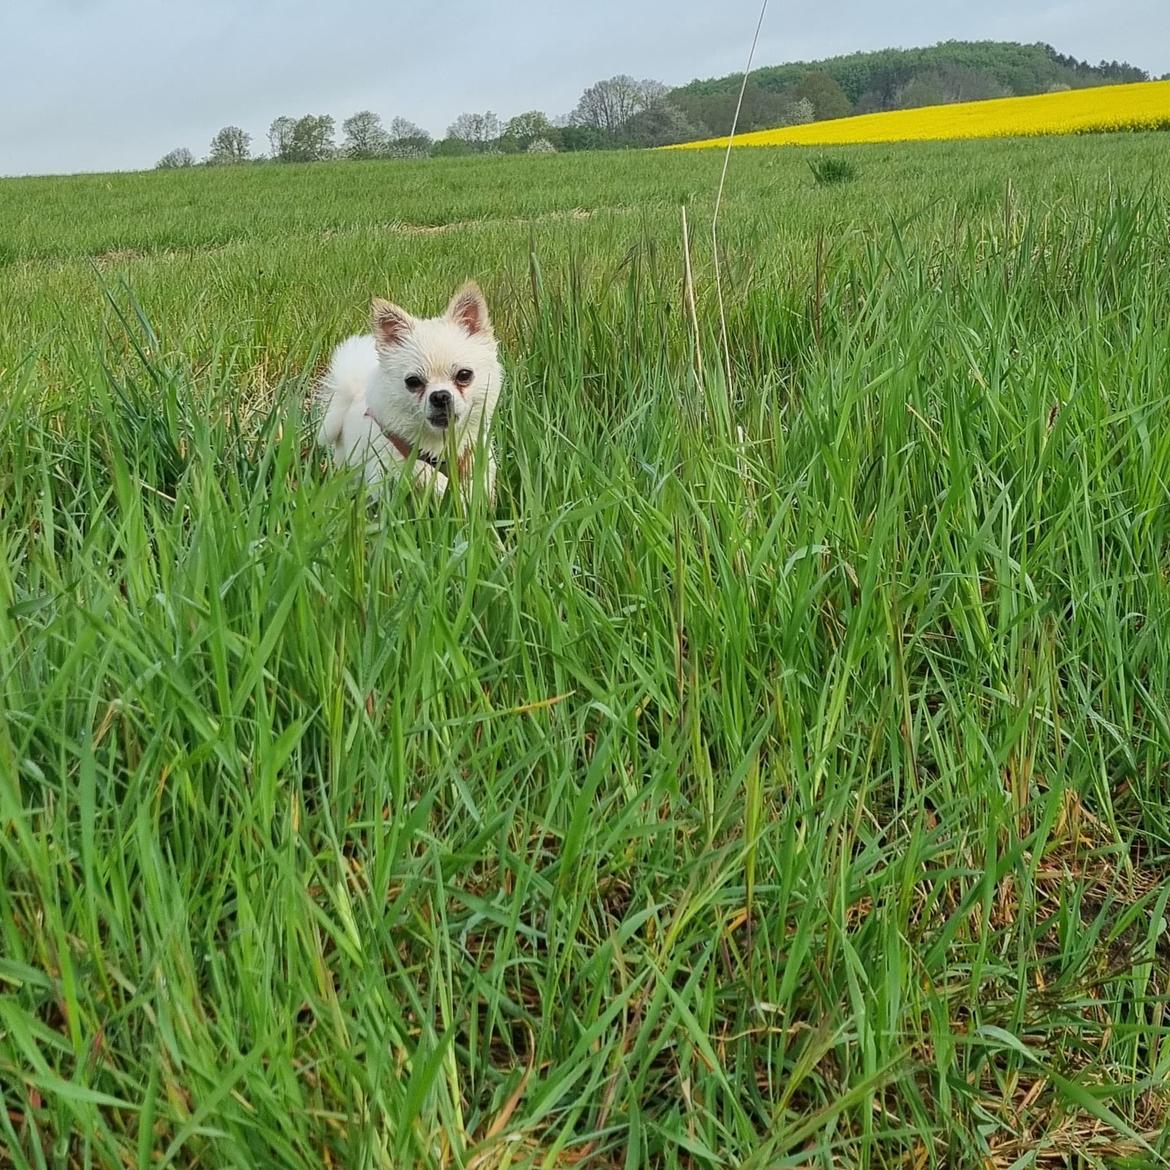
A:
(365, 395)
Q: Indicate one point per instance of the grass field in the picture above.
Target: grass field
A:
(794, 801)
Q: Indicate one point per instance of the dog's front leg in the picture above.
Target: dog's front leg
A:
(490, 478)
(469, 471)
(426, 476)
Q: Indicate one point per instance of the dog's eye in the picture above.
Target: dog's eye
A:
(415, 384)
(464, 377)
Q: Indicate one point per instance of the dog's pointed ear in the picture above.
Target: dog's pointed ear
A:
(469, 309)
(391, 324)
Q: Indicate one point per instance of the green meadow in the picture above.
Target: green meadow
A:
(776, 777)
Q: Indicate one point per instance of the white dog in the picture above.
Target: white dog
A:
(415, 389)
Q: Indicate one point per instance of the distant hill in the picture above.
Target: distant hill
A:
(622, 111)
(888, 79)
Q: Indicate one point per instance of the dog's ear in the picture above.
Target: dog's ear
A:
(391, 324)
(469, 309)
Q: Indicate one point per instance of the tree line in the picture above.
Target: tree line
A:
(619, 111)
(622, 111)
(895, 79)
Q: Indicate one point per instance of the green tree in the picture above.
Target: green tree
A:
(365, 136)
(408, 140)
(231, 145)
(311, 139)
(522, 130)
(451, 148)
(801, 112)
(280, 136)
(923, 90)
(608, 105)
(661, 124)
(175, 160)
(479, 131)
(960, 83)
(828, 99)
(714, 113)
(584, 138)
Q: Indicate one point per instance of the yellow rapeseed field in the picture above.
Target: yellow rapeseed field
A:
(1142, 106)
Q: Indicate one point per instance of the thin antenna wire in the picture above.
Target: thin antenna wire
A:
(719, 196)
(690, 290)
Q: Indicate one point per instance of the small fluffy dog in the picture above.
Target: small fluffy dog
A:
(415, 388)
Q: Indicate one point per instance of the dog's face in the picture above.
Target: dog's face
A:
(440, 375)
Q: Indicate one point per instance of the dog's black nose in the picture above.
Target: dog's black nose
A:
(441, 402)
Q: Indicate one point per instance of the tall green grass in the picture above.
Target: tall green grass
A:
(777, 777)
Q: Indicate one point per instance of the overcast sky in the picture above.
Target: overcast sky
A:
(114, 84)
